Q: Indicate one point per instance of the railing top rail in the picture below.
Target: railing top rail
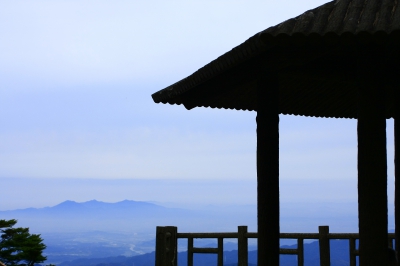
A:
(299, 235)
(207, 235)
(282, 235)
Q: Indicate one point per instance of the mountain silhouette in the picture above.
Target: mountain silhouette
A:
(126, 215)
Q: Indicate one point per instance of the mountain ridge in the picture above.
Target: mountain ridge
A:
(126, 215)
(89, 204)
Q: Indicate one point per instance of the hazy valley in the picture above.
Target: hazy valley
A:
(95, 229)
(123, 233)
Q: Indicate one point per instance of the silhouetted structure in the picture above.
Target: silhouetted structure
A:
(167, 244)
(340, 60)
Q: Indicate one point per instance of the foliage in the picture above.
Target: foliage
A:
(18, 246)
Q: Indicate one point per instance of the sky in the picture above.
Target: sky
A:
(78, 121)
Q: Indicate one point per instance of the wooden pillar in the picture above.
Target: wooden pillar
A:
(372, 162)
(397, 166)
(268, 168)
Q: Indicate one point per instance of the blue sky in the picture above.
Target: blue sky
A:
(77, 118)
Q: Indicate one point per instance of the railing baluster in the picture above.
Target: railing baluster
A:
(220, 251)
(243, 248)
(352, 249)
(190, 251)
(160, 246)
(300, 250)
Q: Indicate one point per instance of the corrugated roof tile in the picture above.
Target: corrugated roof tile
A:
(304, 22)
(353, 16)
(282, 28)
(384, 17)
(337, 16)
(368, 16)
(321, 19)
(395, 18)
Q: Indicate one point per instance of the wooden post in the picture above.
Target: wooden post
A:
(324, 247)
(300, 254)
(397, 166)
(372, 160)
(220, 251)
(268, 168)
(190, 252)
(166, 245)
(243, 248)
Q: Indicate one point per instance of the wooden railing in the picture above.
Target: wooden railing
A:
(167, 242)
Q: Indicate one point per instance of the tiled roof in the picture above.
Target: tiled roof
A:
(341, 17)
(313, 41)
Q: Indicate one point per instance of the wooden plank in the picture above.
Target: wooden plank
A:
(288, 251)
(208, 235)
(299, 235)
(205, 250)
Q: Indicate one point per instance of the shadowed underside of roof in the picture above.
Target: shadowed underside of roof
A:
(315, 56)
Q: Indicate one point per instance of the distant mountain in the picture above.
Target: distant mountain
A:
(99, 205)
(126, 216)
(92, 205)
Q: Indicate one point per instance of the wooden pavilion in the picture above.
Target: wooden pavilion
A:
(339, 60)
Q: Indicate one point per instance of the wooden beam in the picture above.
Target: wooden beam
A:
(372, 161)
(268, 168)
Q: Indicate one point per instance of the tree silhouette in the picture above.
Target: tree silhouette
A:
(18, 246)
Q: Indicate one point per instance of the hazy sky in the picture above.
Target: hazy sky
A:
(77, 118)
